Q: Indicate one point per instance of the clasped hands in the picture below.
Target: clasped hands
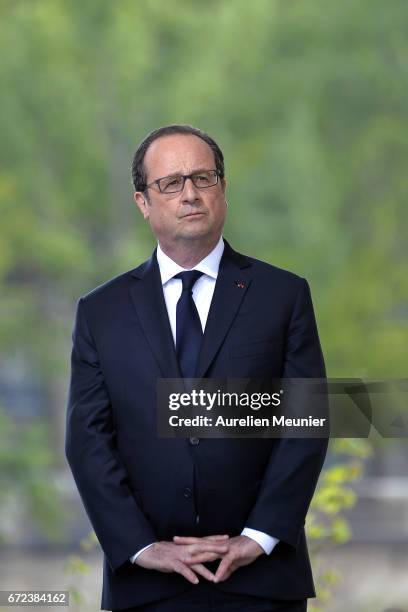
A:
(186, 555)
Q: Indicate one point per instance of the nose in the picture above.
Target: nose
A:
(190, 192)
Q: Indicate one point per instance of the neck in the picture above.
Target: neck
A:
(189, 254)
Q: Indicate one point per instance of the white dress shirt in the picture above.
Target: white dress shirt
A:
(203, 291)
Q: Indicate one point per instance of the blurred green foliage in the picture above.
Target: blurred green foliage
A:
(28, 493)
(326, 522)
(308, 101)
(77, 569)
(309, 104)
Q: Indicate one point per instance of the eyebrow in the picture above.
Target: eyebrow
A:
(201, 169)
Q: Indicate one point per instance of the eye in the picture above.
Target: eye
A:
(201, 178)
(171, 181)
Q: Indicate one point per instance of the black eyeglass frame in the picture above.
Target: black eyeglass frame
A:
(184, 177)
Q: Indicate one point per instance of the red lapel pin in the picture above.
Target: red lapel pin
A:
(240, 284)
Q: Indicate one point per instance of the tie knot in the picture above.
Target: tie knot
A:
(189, 278)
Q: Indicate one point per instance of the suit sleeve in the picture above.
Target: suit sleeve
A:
(90, 447)
(293, 469)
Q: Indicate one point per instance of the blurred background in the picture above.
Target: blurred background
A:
(309, 102)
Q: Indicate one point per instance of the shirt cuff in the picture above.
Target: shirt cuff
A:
(133, 559)
(264, 540)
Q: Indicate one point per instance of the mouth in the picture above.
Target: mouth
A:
(194, 214)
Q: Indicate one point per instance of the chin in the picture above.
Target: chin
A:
(194, 231)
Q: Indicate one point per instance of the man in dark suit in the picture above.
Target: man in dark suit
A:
(191, 524)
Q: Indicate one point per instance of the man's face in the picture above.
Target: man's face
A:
(191, 214)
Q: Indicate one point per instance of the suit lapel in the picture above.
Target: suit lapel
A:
(147, 295)
(232, 283)
(148, 299)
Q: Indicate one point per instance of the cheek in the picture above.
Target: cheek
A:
(161, 218)
(218, 210)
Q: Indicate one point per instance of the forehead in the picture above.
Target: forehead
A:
(177, 153)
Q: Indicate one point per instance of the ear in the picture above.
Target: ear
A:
(141, 203)
(224, 188)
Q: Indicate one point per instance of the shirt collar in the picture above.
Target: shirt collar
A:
(209, 265)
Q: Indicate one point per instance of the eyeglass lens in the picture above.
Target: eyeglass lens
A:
(171, 184)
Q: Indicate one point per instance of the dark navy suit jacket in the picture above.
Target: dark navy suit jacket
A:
(138, 488)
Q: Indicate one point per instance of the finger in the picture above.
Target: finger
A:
(223, 570)
(199, 558)
(203, 571)
(225, 576)
(185, 571)
(202, 547)
(190, 552)
(194, 540)
(209, 556)
(186, 540)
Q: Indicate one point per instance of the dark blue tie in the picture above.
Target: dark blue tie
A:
(189, 333)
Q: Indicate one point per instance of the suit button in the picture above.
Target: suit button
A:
(194, 441)
(187, 493)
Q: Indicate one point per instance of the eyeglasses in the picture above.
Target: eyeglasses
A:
(176, 182)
